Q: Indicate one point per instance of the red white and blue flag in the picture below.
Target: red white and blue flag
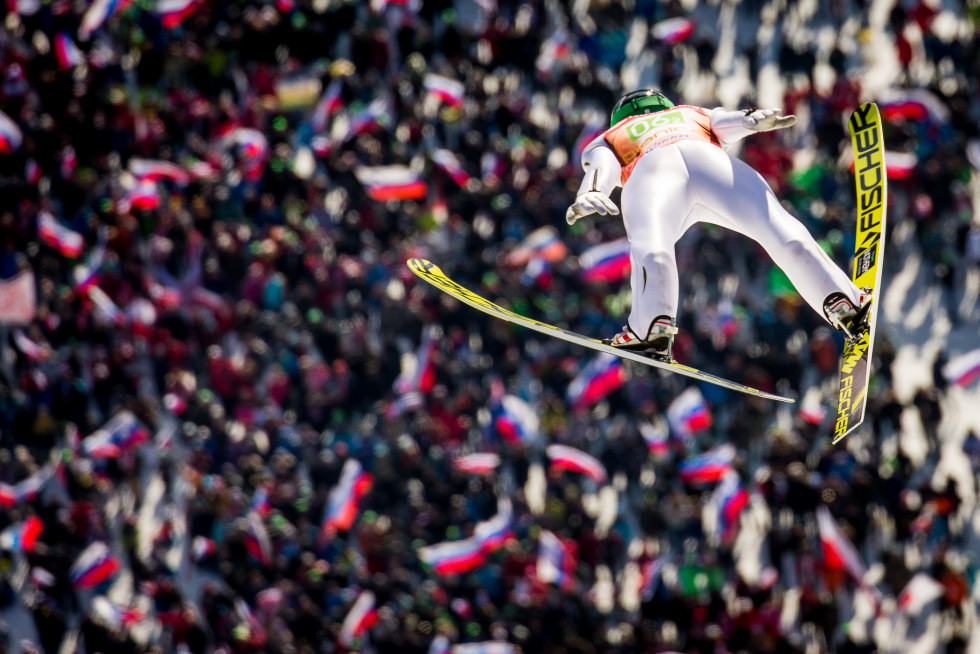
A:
(98, 13)
(114, 615)
(912, 104)
(601, 376)
(556, 561)
(516, 421)
(453, 557)
(492, 534)
(650, 577)
(174, 12)
(419, 374)
(341, 509)
(606, 262)
(689, 413)
(728, 500)
(22, 536)
(93, 566)
(257, 541)
(449, 164)
(361, 617)
(66, 52)
(395, 182)
(202, 547)
(554, 50)
(566, 458)
(964, 369)
(543, 243)
(480, 463)
(123, 432)
(838, 552)
(445, 89)
(69, 243)
(10, 135)
(26, 489)
(329, 104)
(674, 30)
(261, 502)
(708, 467)
(655, 437)
(375, 115)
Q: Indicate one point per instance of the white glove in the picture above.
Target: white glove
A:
(590, 202)
(765, 120)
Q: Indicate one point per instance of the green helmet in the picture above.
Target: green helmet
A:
(646, 101)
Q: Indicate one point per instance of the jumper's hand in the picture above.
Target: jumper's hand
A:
(588, 203)
(765, 120)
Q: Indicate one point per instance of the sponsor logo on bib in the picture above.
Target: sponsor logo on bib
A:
(641, 127)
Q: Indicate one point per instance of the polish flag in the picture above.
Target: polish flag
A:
(154, 170)
(69, 243)
(10, 135)
(22, 536)
(838, 552)
(689, 413)
(174, 12)
(674, 30)
(606, 262)
(93, 566)
(449, 164)
(395, 182)
(66, 52)
(453, 557)
(708, 467)
(567, 458)
(362, 616)
(341, 509)
(516, 421)
(963, 369)
(601, 376)
(447, 90)
(481, 463)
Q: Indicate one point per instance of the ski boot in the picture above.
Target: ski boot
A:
(657, 344)
(844, 316)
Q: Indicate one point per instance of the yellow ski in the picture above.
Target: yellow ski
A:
(432, 274)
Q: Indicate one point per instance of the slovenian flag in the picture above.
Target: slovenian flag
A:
(257, 541)
(445, 89)
(674, 30)
(486, 647)
(912, 104)
(154, 170)
(66, 52)
(480, 463)
(601, 376)
(93, 566)
(114, 615)
(252, 146)
(361, 617)
(395, 182)
(330, 103)
(22, 536)
(492, 534)
(121, 433)
(708, 467)
(26, 489)
(341, 509)
(59, 237)
(376, 114)
(556, 561)
(454, 557)
(729, 499)
(606, 262)
(174, 12)
(543, 243)
(567, 458)
(515, 421)
(450, 165)
(838, 552)
(655, 437)
(10, 135)
(963, 369)
(98, 13)
(689, 413)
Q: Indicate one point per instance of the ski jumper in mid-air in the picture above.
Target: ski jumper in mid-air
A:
(674, 173)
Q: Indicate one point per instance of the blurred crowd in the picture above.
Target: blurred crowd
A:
(224, 321)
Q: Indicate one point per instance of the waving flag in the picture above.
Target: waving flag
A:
(450, 165)
(554, 49)
(202, 547)
(341, 509)
(453, 557)
(29, 348)
(10, 135)
(655, 437)
(66, 52)
(516, 421)
(493, 533)
(918, 593)
(260, 500)
(486, 647)
(962, 370)
(674, 30)
(480, 463)
(556, 561)
(362, 616)
(689, 413)
(154, 170)
(571, 459)
(543, 243)
(174, 12)
(606, 262)
(447, 90)
(649, 578)
(729, 499)
(375, 115)
(98, 13)
(93, 566)
(601, 376)
(123, 432)
(708, 467)
(114, 615)
(394, 182)
(420, 374)
(257, 541)
(492, 168)
(330, 103)
(912, 104)
(22, 536)
(105, 306)
(838, 553)
(56, 235)
(26, 489)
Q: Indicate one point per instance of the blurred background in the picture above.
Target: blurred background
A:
(232, 420)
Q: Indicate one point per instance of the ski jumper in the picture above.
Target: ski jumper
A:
(674, 174)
